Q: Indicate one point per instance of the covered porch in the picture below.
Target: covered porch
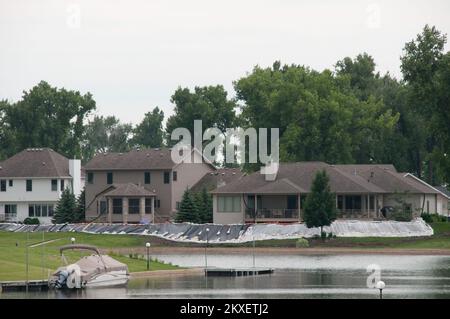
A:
(359, 206)
(280, 208)
(130, 203)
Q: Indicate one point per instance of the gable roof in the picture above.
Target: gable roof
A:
(35, 162)
(137, 159)
(300, 175)
(345, 179)
(128, 189)
(218, 178)
(444, 191)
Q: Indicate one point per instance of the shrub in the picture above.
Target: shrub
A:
(31, 221)
(427, 217)
(323, 235)
(433, 218)
(330, 235)
(301, 243)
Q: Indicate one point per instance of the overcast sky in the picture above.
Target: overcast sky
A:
(132, 55)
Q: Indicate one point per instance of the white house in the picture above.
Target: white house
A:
(31, 183)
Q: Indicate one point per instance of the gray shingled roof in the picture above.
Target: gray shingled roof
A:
(129, 190)
(443, 190)
(35, 162)
(154, 158)
(218, 178)
(350, 179)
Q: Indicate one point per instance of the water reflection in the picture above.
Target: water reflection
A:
(294, 277)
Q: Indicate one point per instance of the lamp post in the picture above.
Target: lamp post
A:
(147, 245)
(206, 247)
(380, 285)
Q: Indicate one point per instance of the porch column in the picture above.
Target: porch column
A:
(299, 207)
(256, 206)
(368, 205)
(142, 207)
(376, 205)
(110, 210)
(153, 209)
(125, 210)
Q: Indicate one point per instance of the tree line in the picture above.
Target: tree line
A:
(348, 114)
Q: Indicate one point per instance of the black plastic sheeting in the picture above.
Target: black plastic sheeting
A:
(177, 232)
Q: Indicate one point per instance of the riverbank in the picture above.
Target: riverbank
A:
(130, 249)
(44, 257)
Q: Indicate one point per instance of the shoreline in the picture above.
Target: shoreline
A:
(286, 251)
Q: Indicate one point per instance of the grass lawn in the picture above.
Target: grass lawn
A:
(45, 259)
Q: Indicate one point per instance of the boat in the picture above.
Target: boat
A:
(95, 270)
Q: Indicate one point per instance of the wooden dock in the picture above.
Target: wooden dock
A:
(33, 285)
(237, 272)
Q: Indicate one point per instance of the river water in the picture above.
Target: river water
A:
(330, 276)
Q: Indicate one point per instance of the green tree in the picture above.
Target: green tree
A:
(318, 115)
(320, 204)
(188, 211)
(66, 208)
(423, 63)
(204, 206)
(80, 211)
(209, 104)
(105, 134)
(45, 116)
(149, 133)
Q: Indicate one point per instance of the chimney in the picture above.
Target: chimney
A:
(75, 172)
(270, 171)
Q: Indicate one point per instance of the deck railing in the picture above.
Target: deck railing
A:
(272, 213)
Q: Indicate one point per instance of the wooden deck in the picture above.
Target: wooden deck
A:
(33, 285)
(237, 272)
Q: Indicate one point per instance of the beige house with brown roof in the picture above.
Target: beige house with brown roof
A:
(361, 191)
(142, 185)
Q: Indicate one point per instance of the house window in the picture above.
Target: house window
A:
(62, 185)
(11, 183)
(29, 185)
(157, 203)
(166, 177)
(178, 205)
(174, 177)
(44, 210)
(148, 205)
(147, 178)
(31, 210)
(109, 178)
(103, 207)
(292, 202)
(50, 210)
(54, 185)
(90, 178)
(40, 210)
(353, 202)
(11, 209)
(3, 185)
(133, 205)
(37, 210)
(229, 204)
(117, 205)
(340, 202)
